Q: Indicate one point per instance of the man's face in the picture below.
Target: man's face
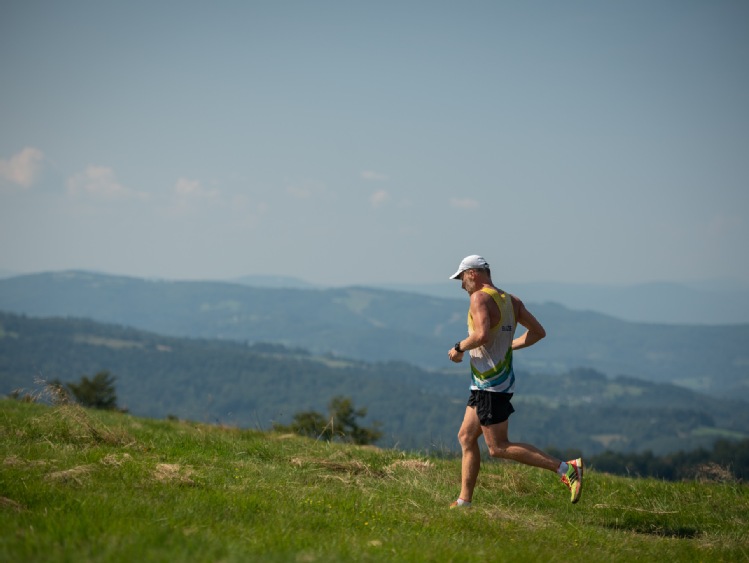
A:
(468, 280)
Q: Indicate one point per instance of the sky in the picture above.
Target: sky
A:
(347, 142)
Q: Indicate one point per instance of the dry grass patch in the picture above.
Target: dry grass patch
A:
(412, 465)
(114, 460)
(173, 473)
(352, 467)
(72, 475)
(10, 504)
(13, 461)
(72, 424)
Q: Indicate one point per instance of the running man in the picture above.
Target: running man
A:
(493, 316)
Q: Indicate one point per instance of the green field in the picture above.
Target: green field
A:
(81, 485)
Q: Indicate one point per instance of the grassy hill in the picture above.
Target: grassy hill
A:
(78, 485)
(379, 326)
(255, 386)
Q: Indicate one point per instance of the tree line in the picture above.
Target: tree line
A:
(727, 460)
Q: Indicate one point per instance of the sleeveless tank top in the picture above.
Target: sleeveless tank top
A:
(491, 364)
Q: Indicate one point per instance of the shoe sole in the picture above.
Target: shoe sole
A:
(580, 481)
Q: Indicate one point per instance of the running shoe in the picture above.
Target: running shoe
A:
(574, 478)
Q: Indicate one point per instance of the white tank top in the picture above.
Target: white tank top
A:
(491, 364)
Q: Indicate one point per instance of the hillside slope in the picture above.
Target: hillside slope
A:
(80, 485)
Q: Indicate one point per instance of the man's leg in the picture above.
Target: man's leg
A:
(500, 446)
(468, 436)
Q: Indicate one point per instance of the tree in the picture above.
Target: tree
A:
(311, 424)
(98, 393)
(340, 424)
(344, 424)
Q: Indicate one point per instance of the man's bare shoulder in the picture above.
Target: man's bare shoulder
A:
(479, 296)
(515, 299)
(480, 300)
(517, 305)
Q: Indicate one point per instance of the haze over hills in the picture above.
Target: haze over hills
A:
(384, 325)
(716, 303)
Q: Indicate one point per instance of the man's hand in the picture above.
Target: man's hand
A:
(455, 356)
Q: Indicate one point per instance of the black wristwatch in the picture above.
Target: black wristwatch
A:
(457, 347)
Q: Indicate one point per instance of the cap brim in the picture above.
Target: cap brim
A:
(456, 275)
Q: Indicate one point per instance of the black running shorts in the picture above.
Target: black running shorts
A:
(491, 407)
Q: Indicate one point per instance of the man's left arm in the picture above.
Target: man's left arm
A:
(535, 330)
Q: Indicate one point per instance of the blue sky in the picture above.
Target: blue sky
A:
(370, 142)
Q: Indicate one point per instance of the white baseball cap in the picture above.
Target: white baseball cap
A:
(472, 262)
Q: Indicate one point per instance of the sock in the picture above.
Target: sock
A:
(562, 470)
(462, 502)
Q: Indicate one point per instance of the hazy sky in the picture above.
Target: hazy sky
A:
(352, 142)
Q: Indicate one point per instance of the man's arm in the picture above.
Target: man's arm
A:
(535, 331)
(480, 303)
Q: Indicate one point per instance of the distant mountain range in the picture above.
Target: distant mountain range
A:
(378, 325)
(718, 303)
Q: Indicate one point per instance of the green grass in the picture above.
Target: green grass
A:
(80, 485)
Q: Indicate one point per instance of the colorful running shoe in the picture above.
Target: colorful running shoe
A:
(460, 504)
(574, 478)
